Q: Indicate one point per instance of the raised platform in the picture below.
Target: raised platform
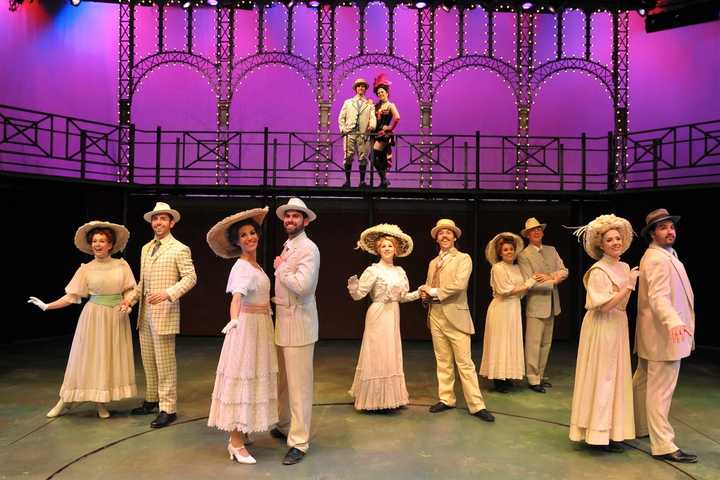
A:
(529, 440)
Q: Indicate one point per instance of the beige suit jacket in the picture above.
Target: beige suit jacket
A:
(362, 120)
(454, 276)
(296, 316)
(665, 300)
(542, 296)
(171, 269)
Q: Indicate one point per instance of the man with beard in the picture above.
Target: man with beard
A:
(663, 335)
(166, 274)
(296, 328)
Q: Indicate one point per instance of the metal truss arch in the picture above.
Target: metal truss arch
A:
(398, 64)
(595, 69)
(197, 62)
(506, 71)
(249, 64)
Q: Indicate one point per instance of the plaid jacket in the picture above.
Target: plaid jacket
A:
(170, 269)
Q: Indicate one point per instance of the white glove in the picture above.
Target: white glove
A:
(230, 325)
(632, 281)
(353, 283)
(125, 308)
(38, 303)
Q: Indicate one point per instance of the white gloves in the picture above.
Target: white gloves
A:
(353, 283)
(230, 325)
(632, 281)
(38, 303)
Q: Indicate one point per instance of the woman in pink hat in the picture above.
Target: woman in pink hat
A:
(244, 399)
(388, 118)
(100, 367)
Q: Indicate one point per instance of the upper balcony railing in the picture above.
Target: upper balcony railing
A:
(47, 144)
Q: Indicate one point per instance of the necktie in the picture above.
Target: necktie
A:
(156, 247)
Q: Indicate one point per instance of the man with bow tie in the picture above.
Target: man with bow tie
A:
(664, 334)
(450, 323)
(296, 328)
(356, 121)
(166, 274)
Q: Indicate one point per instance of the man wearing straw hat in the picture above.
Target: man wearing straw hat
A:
(356, 121)
(664, 334)
(296, 328)
(542, 302)
(166, 274)
(450, 323)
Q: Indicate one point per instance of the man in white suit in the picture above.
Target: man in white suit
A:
(296, 328)
(664, 334)
(357, 119)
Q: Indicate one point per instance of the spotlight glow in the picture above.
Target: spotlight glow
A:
(314, 3)
(420, 4)
(74, 3)
(527, 5)
(187, 4)
(212, 3)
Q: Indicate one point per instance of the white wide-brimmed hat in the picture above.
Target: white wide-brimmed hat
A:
(445, 223)
(360, 81)
(531, 223)
(218, 238)
(162, 207)
(592, 233)
(654, 217)
(295, 204)
(369, 237)
(121, 236)
(491, 252)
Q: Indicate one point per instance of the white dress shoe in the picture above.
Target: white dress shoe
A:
(102, 411)
(235, 454)
(56, 410)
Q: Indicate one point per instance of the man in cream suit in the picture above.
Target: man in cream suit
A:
(296, 328)
(450, 323)
(663, 335)
(166, 274)
(356, 121)
(542, 302)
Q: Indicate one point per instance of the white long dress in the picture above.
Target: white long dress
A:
(602, 406)
(503, 354)
(245, 394)
(379, 378)
(100, 367)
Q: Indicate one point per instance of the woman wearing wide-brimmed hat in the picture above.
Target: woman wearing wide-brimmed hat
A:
(244, 399)
(503, 356)
(100, 367)
(379, 382)
(602, 405)
(388, 118)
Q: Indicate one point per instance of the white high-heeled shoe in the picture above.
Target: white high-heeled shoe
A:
(239, 457)
(56, 410)
(102, 411)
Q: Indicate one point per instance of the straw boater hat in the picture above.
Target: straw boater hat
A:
(295, 204)
(654, 217)
(531, 223)
(370, 235)
(360, 81)
(162, 207)
(445, 223)
(218, 237)
(592, 233)
(490, 252)
(121, 236)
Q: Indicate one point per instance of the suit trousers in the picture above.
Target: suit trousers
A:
(538, 340)
(653, 387)
(356, 143)
(452, 347)
(295, 394)
(158, 357)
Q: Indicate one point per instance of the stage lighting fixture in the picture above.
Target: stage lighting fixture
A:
(75, 3)
(212, 3)
(314, 3)
(527, 5)
(187, 4)
(420, 4)
(642, 12)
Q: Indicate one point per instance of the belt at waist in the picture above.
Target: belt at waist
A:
(254, 308)
(107, 300)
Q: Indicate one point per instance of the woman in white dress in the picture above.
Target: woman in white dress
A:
(244, 399)
(503, 358)
(379, 382)
(602, 405)
(100, 367)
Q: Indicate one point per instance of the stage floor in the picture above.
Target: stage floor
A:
(529, 439)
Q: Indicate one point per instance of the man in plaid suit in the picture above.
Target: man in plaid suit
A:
(166, 274)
